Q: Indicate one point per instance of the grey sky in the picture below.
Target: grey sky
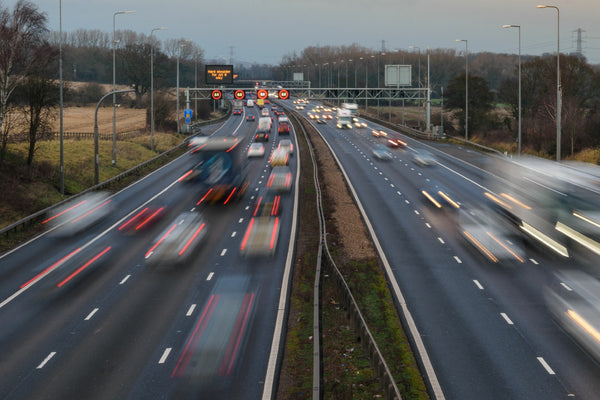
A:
(263, 31)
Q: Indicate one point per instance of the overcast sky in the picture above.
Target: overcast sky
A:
(263, 31)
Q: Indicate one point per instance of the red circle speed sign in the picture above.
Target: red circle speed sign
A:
(216, 95)
(239, 94)
(262, 94)
(283, 94)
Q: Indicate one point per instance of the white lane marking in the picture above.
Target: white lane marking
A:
(441, 240)
(429, 226)
(223, 252)
(90, 315)
(417, 212)
(241, 220)
(546, 366)
(193, 209)
(458, 260)
(209, 277)
(407, 202)
(233, 233)
(385, 179)
(508, 320)
(566, 286)
(46, 360)
(533, 261)
(190, 310)
(479, 285)
(165, 355)
(399, 194)
(247, 208)
(124, 279)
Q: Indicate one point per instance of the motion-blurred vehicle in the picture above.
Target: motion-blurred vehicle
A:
(574, 302)
(261, 236)
(265, 113)
(263, 130)
(279, 157)
(250, 118)
(221, 171)
(78, 214)
(267, 203)
(280, 179)
(287, 145)
(381, 152)
(256, 150)
(395, 142)
(490, 236)
(143, 220)
(424, 158)
(178, 241)
(352, 109)
(321, 121)
(344, 119)
(439, 195)
(238, 107)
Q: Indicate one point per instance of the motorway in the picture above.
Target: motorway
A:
(85, 316)
(485, 326)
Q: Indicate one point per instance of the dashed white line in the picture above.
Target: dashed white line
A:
(458, 260)
(479, 285)
(247, 208)
(407, 202)
(428, 225)
(190, 310)
(566, 287)
(385, 179)
(223, 252)
(46, 360)
(533, 261)
(417, 212)
(508, 320)
(125, 279)
(90, 315)
(233, 233)
(209, 277)
(399, 194)
(241, 220)
(392, 185)
(546, 366)
(441, 240)
(165, 355)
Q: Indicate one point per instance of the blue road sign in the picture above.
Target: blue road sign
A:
(188, 120)
(187, 114)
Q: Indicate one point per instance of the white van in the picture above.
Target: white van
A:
(250, 103)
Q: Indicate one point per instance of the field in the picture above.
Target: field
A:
(81, 119)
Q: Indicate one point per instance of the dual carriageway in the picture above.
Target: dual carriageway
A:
(212, 325)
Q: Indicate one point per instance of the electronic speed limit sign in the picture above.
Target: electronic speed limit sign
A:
(239, 94)
(283, 94)
(262, 94)
(216, 95)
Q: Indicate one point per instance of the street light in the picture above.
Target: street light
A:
(419, 74)
(60, 74)
(558, 88)
(466, 86)
(96, 156)
(152, 86)
(519, 27)
(181, 44)
(114, 150)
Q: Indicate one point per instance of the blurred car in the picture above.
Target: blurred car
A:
(279, 157)
(287, 145)
(283, 128)
(327, 116)
(439, 195)
(321, 121)
(360, 124)
(237, 111)
(79, 214)
(143, 220)
(250, 118)
(574, 302)
(256, 150)
(267, 203)
(260, 237)
(280, 179)
(376, 133)
(381, 152)
(396, 142)
(265, 112)
(299, 107)
(179, 240)
(424, 158)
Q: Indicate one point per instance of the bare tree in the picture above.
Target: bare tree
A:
(20, 30)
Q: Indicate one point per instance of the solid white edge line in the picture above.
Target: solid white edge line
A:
(52, 354)
(422, 351)
(269, 384)
(166, 353)
(90, 315)
(546, 366)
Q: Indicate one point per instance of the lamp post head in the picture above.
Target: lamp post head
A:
(541, 6)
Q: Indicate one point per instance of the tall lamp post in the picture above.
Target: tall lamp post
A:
(419, 74)
(60, 74)
(179, 56)
(558, 88)
(114, 138)
(152, 86)
(466, 86)
(519, 28)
